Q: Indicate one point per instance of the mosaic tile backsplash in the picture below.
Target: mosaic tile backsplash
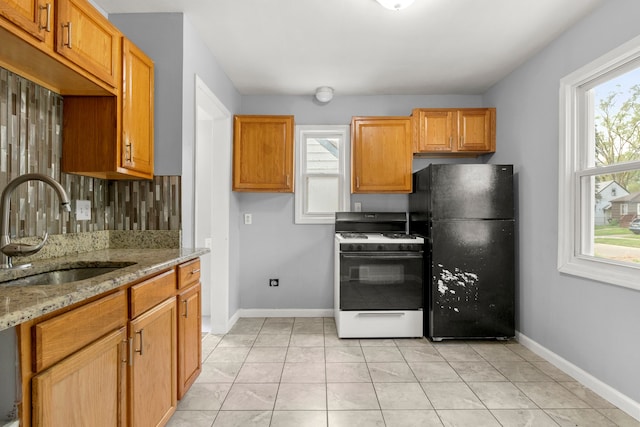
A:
(31, 142)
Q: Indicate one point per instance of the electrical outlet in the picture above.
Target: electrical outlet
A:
(83, 210)
(248, 219)
(357, 206)
(274, 282)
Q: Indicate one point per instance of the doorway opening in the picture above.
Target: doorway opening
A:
(211, 204)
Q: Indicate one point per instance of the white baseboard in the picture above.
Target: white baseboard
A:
(285, 312)
(622, 401)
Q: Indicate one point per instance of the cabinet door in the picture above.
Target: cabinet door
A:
(137, 110)
(86, 389)
(381, 155)
(435, 131)
(152, 374)
(189, 338)
(32, 16)
(263, 153)
(88, 39)
(475, 130)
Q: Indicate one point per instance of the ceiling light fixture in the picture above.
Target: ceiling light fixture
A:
(324, 94)
(395, 4)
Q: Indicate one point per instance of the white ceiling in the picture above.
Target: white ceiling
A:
(359, 48)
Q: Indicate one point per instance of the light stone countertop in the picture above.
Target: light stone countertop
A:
(25, 302)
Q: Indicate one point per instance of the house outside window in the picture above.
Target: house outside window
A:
(600, 144)
(322, 187)
(624, 209)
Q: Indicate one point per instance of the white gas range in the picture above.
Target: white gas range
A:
(379, 271)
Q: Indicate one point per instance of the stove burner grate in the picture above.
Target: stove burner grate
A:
(354, 236)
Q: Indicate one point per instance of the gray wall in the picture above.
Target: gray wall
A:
(301, 256)
(591, 324)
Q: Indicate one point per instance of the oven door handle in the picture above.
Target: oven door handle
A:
(382, 314)
(385, 255)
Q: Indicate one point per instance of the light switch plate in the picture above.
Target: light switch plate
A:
(83, 210)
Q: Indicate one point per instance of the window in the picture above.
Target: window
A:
(600, 143)
(624, 209)
(322, 186)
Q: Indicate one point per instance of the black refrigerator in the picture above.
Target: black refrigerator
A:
(466, 214)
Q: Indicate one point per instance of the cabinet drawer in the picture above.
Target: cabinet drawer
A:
(188, 273)
(62, 335)
(151, 292)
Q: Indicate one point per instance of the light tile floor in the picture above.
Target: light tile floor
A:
(297, 372)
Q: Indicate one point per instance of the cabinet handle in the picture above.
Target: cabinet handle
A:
(68, 27)
(357, 182)
(461, 140)
(130, 351)
(127, 156)
(197, 270)
(287, 180)
(124, 351)
(141, 343)
(186, 308)
(451, 140)
(47, 25)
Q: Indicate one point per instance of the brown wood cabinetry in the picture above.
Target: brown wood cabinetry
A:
(189, 325)
(86, 389)
(263, 153)
(88, 39)
(74, 365)
(381, 155)
(32, 16)
(116, 360)
(119, 142)
(454, 132)
(34, 42)
(152, 373)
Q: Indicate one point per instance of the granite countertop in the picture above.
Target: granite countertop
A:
(19, 303)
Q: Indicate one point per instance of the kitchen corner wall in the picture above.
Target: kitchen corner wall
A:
(31, 142)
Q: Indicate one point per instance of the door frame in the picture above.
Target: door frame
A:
(212, 171)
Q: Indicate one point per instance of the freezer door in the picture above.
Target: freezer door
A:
(472, 279)
(471, 191)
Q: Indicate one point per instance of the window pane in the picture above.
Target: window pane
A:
(322, 155)
(608, 232)
(617, 120)
(322, 194)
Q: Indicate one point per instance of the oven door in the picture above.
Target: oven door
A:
(381, 280)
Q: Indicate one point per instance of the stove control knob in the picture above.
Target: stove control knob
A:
(359, 247)
(380, 247)
(402, 247)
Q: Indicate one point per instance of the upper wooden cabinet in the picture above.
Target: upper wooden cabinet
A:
(454, 132)
(118, 143)
(87, 38)
(137, 110)
(63, 45)
(263, 153)
(32, 16)
(381, 155)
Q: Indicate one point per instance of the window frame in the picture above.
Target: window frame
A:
(302, 133)
(574, 208)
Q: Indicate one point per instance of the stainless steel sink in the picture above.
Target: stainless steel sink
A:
(69, 273)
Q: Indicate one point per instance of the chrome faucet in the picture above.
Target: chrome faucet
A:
(9, 249)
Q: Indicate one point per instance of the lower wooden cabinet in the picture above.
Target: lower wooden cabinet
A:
(152, 373)
(189, 338)
(120, 360)
(85, 389)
